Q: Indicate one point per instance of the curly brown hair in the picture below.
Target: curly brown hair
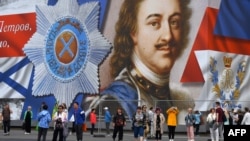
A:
(127, 24)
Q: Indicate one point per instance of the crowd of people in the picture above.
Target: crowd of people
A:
(146, 123)
(59, 118)
(60, 121)
(149, 123)
(219, 116)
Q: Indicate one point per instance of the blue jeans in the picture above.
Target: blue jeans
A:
(138, 131)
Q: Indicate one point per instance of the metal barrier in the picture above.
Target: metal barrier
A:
(202, 105)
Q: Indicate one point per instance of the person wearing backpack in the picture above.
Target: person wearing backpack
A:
(219, 120)
(119, 121)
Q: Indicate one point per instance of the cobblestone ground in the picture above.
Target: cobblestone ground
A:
(18, 135)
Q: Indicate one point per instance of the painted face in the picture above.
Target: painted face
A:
(157, 38)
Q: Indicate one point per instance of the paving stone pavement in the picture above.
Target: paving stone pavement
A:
(18, 135)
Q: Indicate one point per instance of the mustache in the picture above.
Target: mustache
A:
(166, 44)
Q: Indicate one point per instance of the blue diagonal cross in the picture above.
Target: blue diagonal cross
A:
(5, 76)
(30, 100)
(66, 46)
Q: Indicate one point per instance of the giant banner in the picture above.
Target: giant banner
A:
(159, 53)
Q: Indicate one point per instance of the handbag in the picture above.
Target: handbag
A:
(215, 126)
(84, 127)
(37, 127)
(146, 128)
(23, 125)
(211, 123)
(65, 130)
(59, 124)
